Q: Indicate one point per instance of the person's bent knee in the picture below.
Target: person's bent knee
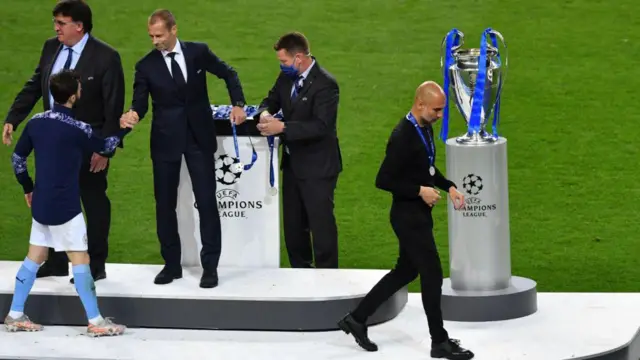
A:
(78, 257)
(38, 254)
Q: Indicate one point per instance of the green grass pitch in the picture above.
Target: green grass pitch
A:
(569, 110)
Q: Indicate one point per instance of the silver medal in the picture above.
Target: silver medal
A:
(273, 191)
(432, 171)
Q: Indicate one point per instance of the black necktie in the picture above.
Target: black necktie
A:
(67, 64)
(178, 76)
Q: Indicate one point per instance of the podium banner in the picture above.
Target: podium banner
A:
(249, 210)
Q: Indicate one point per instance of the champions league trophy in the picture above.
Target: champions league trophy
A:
(480, 287)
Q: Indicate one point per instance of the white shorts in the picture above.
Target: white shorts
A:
(70, 236)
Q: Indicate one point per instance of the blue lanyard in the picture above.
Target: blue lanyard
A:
(254, 154)
(430, 150)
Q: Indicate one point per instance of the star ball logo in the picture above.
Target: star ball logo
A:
(474, 205)
(230, 204)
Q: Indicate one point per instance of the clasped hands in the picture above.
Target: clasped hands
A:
(431, 196)
(269, 125)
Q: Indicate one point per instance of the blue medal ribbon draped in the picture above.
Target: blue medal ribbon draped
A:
(271, 142)
(254, 154)
(430, 149)
(453, 39)
(478, 93)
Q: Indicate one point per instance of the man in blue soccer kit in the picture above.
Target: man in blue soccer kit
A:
(60, 143)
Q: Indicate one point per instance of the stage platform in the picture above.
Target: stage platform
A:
(566, 326)
(245, 299)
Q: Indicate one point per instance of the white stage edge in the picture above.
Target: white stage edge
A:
(567, 326)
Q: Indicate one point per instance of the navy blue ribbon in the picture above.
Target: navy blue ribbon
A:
(453, 39)
(271, 142)
(430, 150)
(254, 154)
(478, 94)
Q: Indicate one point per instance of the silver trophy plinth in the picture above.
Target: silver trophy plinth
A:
(480, 287)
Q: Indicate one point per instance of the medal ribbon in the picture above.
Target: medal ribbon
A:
(430, 150)
(254, 154)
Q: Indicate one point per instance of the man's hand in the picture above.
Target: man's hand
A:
(238, 115)
(269, 125)
(98, 163)
(456, 197)
(129, 119)
(429, 195)
(27, 197)
(7, 132)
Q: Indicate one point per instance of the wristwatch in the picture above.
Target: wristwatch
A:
(239, 103)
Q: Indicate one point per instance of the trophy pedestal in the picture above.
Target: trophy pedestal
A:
(481, 287)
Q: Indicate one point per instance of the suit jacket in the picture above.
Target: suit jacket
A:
(102, 81)
(175, 111)
(310, 133)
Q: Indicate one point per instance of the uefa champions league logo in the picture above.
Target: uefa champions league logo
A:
(228, 169)
(475, 206)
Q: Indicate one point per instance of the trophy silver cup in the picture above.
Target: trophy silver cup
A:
(480, 286)
(463, 72)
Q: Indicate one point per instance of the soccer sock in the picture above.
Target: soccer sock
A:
(24, 282)
(87, 292)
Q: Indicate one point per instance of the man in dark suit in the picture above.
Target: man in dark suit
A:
(101, 105)
(311, 162)
(174, 74)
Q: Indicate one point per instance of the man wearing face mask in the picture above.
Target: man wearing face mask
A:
(409, 173)
(308, 97)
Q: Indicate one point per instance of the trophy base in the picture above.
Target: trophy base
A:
(475, 138)
(518, 300)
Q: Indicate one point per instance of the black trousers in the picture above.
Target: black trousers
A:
(308, 213)
(413, 225)
(97, 210)
(166, 178)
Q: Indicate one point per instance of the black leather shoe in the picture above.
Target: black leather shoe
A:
(167, 275)
(359, 331)
(451, 350)
(47, 269)
(209, 279)
(98, 275)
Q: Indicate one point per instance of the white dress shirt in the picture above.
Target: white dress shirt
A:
(179, 57)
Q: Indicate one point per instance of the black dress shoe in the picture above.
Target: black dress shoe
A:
(451, 350)
(97, 275)
(209, 279)
(47, 269)
(359, 331)
(167, 275)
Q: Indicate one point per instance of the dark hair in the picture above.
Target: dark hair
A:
(77, 10)
(63, 85)
(292, 43)
(163, 15)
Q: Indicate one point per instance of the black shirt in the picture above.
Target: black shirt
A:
(406, 163)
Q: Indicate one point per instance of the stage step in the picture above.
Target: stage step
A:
(245, 299)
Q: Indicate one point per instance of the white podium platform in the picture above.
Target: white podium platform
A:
(567, 326)
(249, 213)
(245, 299)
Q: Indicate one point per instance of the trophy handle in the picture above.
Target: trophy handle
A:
(443, 44)
(506, 52)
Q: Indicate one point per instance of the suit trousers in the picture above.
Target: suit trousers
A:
(413, 226)
(307, 213)
(166, 179)
(97, 209)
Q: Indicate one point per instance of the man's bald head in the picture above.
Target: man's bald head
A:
(429, 102)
